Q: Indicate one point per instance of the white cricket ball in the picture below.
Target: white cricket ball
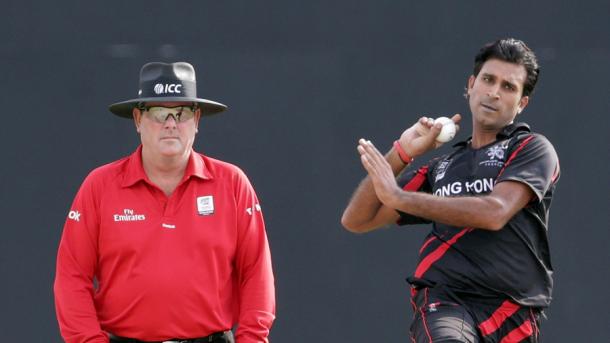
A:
(448, 130)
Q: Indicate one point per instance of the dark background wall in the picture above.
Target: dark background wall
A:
(304, 80)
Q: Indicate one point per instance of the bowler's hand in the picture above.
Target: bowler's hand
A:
(379, 171)
(421, 137)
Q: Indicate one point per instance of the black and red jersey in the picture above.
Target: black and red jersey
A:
(513, 262)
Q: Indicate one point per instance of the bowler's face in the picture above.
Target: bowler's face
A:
(170, 138)
(495, 94)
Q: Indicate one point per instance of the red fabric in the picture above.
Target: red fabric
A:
(493, 323)
(412, 297)
(417, 181)
(434, 256)
(517, 335)
(163, 269)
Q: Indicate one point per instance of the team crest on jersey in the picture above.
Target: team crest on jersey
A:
(205, 205)
(496, 154)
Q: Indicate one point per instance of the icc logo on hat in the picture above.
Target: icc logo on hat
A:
(167, 88)
(167, 82)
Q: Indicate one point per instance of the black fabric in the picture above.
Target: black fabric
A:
(441, 320)
(534, 166)
(442, 315)
(513, 262)
(218, 337)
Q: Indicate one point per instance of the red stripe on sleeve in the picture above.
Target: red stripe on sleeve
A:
(514, 154)
(426, 244)
(518, 334)
(491, 324)
(417, 181)
(434, 256)
(555, 173)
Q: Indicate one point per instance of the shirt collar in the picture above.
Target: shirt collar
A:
(197, 167)
(513, 129)
(508, 131)
(134, 170)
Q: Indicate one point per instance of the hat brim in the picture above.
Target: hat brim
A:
(125, 108)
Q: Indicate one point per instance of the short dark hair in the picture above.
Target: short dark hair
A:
(513, 51)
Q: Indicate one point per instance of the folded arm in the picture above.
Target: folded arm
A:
(489, 212)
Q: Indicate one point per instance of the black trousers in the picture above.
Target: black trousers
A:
(442, 316)
(220, 337)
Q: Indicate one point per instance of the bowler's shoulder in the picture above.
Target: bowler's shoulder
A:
(521, 134)
(533, 139)
(534, 146)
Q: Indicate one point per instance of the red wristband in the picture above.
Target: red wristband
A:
(404, 157)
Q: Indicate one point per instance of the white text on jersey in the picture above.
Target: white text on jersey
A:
(128, 216)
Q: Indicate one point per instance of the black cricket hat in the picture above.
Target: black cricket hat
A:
(161, 82)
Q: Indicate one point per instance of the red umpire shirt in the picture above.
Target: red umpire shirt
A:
(187, 265)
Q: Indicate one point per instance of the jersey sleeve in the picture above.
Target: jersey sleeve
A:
(414, 181)
(254, 269)
(533, 162)
(75, 270)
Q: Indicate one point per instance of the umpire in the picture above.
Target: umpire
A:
(165, 245)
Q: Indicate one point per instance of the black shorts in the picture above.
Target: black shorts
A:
(440, 315)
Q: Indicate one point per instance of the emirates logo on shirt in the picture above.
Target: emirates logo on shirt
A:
(128, 215)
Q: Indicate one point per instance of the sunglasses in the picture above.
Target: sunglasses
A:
(160, 114)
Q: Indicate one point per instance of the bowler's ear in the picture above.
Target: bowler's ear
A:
(137, 117)
(470, 83)
(523, 103)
